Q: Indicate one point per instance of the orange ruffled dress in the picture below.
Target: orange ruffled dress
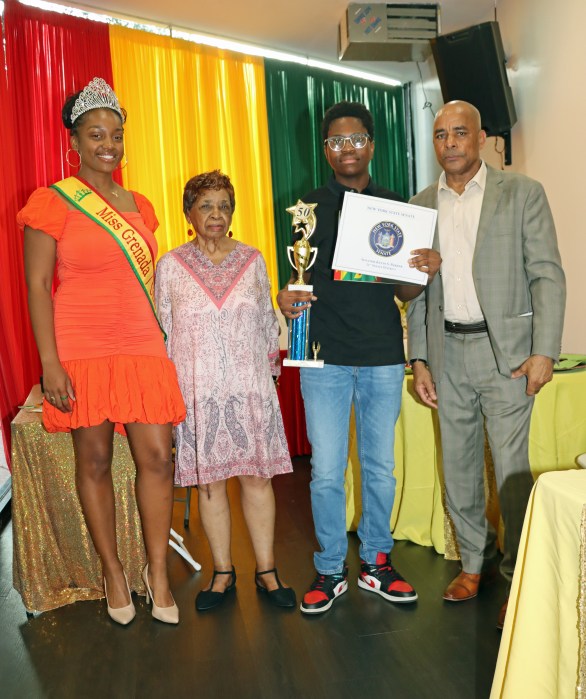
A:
(108, 339)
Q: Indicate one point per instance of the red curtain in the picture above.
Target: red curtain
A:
(13, 341)
(48, 57)
(292, 409)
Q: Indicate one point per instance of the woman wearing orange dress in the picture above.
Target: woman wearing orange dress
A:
(101, 348)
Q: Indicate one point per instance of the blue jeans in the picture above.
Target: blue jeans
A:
(328, 395)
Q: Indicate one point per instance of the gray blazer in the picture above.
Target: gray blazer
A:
(517, 273)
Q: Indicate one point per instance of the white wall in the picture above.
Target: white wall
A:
(425, 90)
(545, 45)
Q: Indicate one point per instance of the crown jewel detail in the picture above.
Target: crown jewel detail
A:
(97, 94)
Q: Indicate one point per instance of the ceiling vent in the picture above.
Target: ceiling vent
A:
(382, 32)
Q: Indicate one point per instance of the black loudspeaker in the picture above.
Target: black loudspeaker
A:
(471, 66)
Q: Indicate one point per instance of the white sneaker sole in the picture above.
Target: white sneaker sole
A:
(390, 598)
(320, 610)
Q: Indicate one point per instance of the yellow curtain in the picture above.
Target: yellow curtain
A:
(192, 109)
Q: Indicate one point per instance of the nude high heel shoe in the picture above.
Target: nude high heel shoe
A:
(121, 615)
(168, 615)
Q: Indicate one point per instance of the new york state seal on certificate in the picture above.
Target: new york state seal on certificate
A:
(385, 238)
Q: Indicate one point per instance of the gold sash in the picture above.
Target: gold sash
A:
(137, 251)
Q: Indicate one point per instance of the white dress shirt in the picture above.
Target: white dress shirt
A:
(458, 217)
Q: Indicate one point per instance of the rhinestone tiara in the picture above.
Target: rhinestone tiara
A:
(96, 95)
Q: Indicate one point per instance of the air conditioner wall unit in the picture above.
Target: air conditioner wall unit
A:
(388, 32)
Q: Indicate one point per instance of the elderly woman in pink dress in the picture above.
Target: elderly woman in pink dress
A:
(213, 299)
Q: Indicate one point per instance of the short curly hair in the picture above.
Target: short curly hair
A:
(348, 109)
(215, 180)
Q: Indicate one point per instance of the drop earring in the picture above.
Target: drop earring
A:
(230, 234)
(75, 165)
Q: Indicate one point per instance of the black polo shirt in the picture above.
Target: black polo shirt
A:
(356, 323)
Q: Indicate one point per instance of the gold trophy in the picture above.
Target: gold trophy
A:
(302, 256)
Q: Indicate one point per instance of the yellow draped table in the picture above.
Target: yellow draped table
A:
(542, 653)
(557, 437)
(55, 562)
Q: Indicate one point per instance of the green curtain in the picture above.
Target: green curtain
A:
(297, 98)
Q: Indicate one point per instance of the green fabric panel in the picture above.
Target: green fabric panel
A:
(297, 98)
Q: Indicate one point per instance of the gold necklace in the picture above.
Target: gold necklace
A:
(113, 192)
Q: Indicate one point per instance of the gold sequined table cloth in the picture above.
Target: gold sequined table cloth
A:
(55, 562)
(542, 648)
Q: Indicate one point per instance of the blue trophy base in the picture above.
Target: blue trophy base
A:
(298, 342)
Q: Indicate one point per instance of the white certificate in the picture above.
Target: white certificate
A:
(376, 236)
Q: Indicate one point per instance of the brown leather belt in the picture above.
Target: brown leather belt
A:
(465, 328)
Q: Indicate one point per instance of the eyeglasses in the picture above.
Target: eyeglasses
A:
(357, 140)
(223, 207)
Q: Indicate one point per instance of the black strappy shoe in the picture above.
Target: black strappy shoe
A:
(282, 596)
(208, 599)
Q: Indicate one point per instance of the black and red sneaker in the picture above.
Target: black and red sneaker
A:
(383, 579)
(323, 591)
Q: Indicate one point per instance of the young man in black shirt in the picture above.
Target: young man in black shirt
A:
(359, 330)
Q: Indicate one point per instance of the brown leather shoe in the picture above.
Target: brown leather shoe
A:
(463, 587)
(502, 614)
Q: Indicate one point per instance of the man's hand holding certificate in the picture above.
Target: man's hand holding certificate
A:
(376, 237)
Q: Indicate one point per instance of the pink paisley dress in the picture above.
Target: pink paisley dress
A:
(222, 335)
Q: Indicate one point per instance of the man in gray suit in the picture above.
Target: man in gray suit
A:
(484, 337)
